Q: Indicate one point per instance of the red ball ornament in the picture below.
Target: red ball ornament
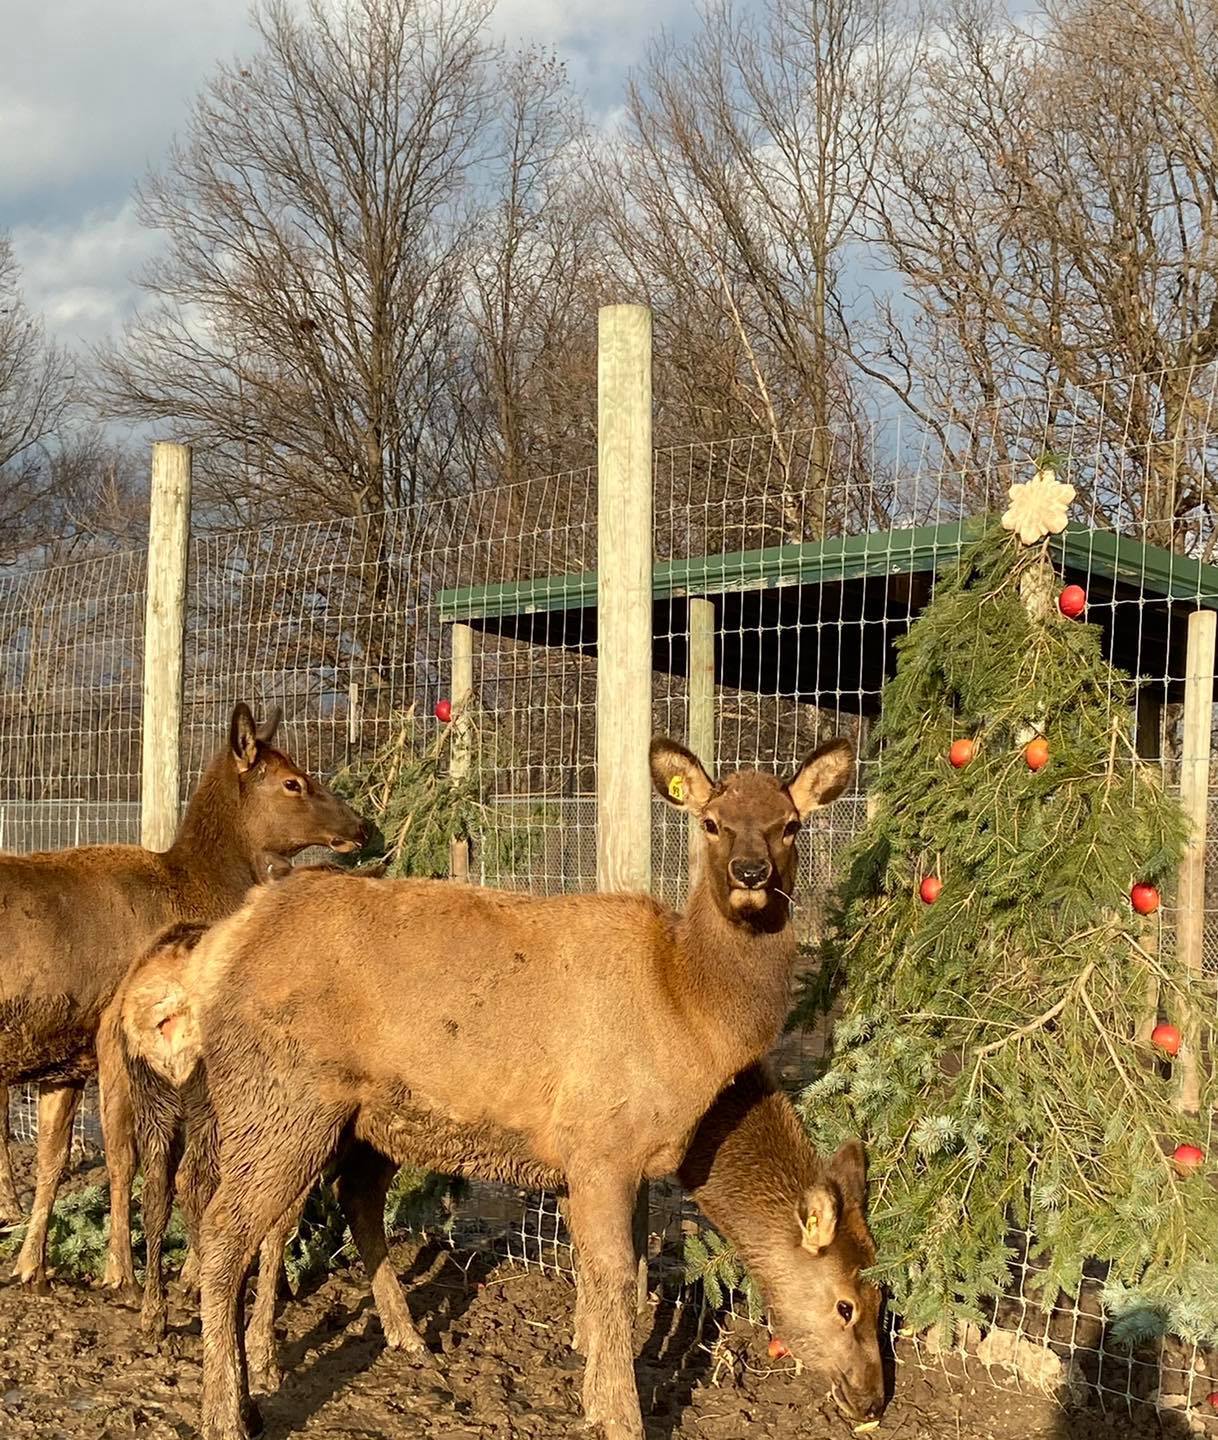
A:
(1167, 1038)
(1187, 1157)
(930, 889)
(1212, 1399)
(961, 753)
(1036, 753)
(1144, 899)
(444, 711)
(777, 1349)
(1072, 601)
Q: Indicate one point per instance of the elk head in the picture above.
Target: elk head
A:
(284, 810)
(750, 821)
(825, 1311)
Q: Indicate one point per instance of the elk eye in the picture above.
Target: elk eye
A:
(710, 827)
(845, 1310)
(791, 829)
(293, 786)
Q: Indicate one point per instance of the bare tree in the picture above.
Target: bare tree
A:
(747, 156)
(35, 392)
(301, 330)
(534, 276)
(1051, 209)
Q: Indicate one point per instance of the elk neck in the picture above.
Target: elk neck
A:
(212, 844)
(737, 971)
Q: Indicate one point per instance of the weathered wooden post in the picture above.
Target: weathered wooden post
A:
(164, 617)
(624, 598)
(461, 752)
(1194, 798)
(701, 709)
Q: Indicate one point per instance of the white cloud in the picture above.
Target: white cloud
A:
(93, 91)
(79, 274)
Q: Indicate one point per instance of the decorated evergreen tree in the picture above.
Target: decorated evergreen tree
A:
(995, 972)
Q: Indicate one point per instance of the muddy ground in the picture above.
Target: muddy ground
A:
(74, 1366)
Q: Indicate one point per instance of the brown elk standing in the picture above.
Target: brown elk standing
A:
(72, 921)
(141, 1050)
(583, 1035)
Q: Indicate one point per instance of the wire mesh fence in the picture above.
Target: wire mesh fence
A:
(813, 553)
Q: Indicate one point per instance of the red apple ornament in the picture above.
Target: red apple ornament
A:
(961, 753)
(1144, 898)
(1187, 1157)
(1036, 753)
(444, 711)
(930, 889)
(1167, 1038)
(777, 1349)
(1072, 601)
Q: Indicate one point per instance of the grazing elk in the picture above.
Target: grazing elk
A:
(799, 1226)
(583, 1036)
(72, 921)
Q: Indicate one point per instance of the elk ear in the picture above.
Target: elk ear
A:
(822, 777)
(678, 775)
(849, 1169)
(243, 737)
(266, 731)
(817, 1218)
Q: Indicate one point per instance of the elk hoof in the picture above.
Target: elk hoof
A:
(251, 1417)
(265, 1376)
(35, 1281)
(401, 1335)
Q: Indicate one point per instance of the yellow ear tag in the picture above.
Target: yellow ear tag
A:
(810, 1226)
(676, 788)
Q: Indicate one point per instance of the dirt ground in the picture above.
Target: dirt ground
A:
(74, 1366)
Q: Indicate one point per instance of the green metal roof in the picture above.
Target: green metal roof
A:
(1153, 570)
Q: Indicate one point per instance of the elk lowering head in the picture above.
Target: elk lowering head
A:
(283, 809)
(750, 820)
(826, 1313)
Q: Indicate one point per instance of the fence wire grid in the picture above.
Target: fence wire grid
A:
(800, 545)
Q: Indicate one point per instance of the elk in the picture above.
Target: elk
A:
(72, 921)
(583, 1036)
(799, 1226)
(141, 1050)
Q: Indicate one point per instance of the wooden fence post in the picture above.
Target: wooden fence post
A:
(460, 754)
(624, 599)
(164, 615)
(701, 710)
(1194, 797)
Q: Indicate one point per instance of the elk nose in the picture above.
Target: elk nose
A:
(751, 874)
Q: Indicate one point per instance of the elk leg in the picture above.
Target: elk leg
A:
(56, 1111)
(161, 1154)
(578, 1339)
(10, 1206)
(277, 1164)
(600, 1208)
(198, 1182)
(118, 1139)
(260, 1348)
(363, 1184)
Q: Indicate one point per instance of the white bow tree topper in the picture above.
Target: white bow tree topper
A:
(1038, 506)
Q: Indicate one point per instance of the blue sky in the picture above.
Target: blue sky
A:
(92, 91)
